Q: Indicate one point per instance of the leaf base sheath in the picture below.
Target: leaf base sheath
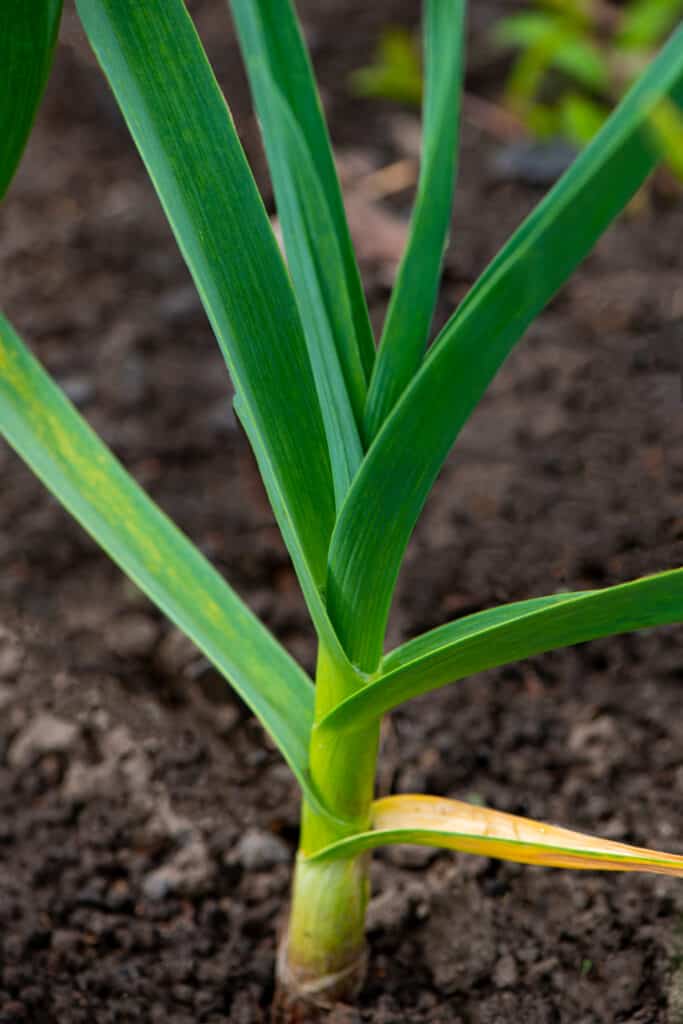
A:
(322, 958)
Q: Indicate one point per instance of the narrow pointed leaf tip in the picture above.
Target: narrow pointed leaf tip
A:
(454, 825)
(414, 296)
(28, 33)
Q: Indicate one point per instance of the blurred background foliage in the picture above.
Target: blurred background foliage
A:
(571, 61)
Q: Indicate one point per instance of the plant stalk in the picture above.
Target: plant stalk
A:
(322, 957)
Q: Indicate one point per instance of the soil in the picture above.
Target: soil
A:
(147, 825)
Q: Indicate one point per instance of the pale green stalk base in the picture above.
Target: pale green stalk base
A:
(322, 957)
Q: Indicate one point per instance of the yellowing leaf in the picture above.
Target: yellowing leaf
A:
(435, 821)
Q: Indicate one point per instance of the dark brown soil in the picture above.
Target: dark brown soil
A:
(147, 825)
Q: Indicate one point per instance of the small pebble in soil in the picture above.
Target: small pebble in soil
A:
(539, 164)
(190, 872)
(79, 388)
(132, 635)
(46, 734)
(175, 652)
(415, 857)
(258, 851)
(505, 972)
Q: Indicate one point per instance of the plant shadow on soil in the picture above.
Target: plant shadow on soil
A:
(147, 826)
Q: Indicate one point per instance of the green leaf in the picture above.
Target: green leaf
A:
(59, 446)
(527, 29)
(177, 115)
(564, 41)
(271, 41)
(581, 118)
(318, 275)
(387, 496)
(666, 128)
(500, 635)
(434, 821)
(28, 33)
(581, 59)
(644, 22)
(414, 296)
(396, 71)
(316, 605)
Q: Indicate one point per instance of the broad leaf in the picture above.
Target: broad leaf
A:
(434, 821)
(501, 635)
(177, 115)
(59, 446)
(28, 33)
(387, 496)
(414, 296)
(271, 41)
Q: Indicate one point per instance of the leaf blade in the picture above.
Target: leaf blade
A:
(315, 264)
(314, 601)
(270, 36)
(415, 292)
(375, 524)
(40, 423)
(498, 636)
(435, 821)
(182, 127)
(28, 33)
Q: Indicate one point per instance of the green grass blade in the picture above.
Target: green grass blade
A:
(59, 446)
(434, 821)
(388, 494)
(271, 40)
(500, 635)
(318, 275)
(28, 33)
(314, 601)
(414, 296)
(177, 115)
(429, 645)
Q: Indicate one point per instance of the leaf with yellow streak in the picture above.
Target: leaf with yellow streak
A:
(50, 435)
(435, 821)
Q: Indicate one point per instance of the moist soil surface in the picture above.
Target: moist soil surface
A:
(147, 824)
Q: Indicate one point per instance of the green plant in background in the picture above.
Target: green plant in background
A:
(395, 72)
(349, 440)
(577, 57)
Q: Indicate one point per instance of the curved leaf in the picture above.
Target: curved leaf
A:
(28, 33)
(177, 115)
(387, 496)
(414, 296)
(434, 821)
(59, 446)
(271, 40)
(501, 635)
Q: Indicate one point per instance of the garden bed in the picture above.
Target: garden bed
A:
(147, 826)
